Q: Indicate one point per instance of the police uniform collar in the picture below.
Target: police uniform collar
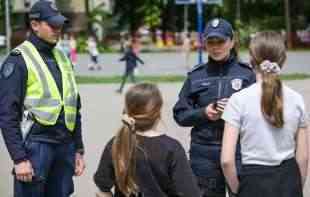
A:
(215, 65)
(196, 67)
(40, 44)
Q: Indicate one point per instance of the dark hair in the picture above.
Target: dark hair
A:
(143, 103)
(269, 46)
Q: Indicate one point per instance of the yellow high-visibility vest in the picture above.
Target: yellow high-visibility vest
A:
(43, 99)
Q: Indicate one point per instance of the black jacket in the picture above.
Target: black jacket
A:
(12, 94)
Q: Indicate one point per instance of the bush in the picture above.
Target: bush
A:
(82, 44)
(102, 47)
(244, 32)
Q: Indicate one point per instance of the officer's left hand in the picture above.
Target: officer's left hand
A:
(79, 164)
(221, 104)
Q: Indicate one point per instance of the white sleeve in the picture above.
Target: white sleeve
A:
(303, 118)
(232, 113)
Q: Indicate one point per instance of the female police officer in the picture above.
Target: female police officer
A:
(202, 100)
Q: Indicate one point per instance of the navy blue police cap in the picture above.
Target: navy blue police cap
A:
(218, 28)
(44, 10)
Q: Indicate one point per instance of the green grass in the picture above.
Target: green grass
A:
(162, 79)
(295, 76)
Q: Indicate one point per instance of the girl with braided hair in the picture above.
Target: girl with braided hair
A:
(141, 160)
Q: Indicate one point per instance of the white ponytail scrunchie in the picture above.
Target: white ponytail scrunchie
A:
(270, 67)
(129, 121)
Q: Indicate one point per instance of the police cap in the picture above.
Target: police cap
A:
(218, 28)
(47, 11)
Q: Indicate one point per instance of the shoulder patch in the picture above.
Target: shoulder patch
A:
(196, 67)
(15, 52)
(7, 70)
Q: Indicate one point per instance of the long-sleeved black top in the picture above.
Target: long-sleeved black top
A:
(131, 60)
(12, 94)
(162, 169)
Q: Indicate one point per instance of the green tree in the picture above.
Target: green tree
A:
(134, 13)
(103, 18)
(2, 17)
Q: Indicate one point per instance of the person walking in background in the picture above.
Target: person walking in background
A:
(131, 60)
(135, 44)
(40, 110)
(73, 50)
(186, 49)
(273, 129)
(141, 160)
(64, 45)
(93, 53)
(202, 100)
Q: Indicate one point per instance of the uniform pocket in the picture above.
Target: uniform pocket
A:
(205, 92)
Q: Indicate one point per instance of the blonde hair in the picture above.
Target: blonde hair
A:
(143, 104)
(269, 46)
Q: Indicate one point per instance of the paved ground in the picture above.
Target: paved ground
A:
(101, 119)
(173, 63)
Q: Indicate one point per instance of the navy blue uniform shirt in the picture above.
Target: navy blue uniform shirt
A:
(204, 85)
(12, 94)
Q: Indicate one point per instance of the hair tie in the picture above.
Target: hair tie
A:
(270, 67)
(129, 121)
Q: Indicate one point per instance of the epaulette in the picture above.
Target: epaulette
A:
(15, 52)
(246, 65)
(196, 67)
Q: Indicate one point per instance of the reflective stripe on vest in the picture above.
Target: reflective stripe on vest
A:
(69, 89)
(43, 99)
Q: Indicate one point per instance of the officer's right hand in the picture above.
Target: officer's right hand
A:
(212, 113)
(24, 171)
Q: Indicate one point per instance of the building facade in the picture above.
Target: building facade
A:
(74, 10)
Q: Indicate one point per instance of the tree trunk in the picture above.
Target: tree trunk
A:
(89, 25)
(238, 10)
(288, 24)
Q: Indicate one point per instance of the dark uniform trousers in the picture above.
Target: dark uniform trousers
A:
(53, 165)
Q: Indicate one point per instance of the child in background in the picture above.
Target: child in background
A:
(186, 49)
(93, 53)
(131, 59)
(141, 160)
(73, 51)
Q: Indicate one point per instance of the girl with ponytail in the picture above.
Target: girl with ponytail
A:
(140, 160)
(270, 120)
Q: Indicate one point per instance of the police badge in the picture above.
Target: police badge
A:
(215, 23)
(53, 6)
(236, 84)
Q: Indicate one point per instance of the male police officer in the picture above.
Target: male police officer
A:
(39, 110)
